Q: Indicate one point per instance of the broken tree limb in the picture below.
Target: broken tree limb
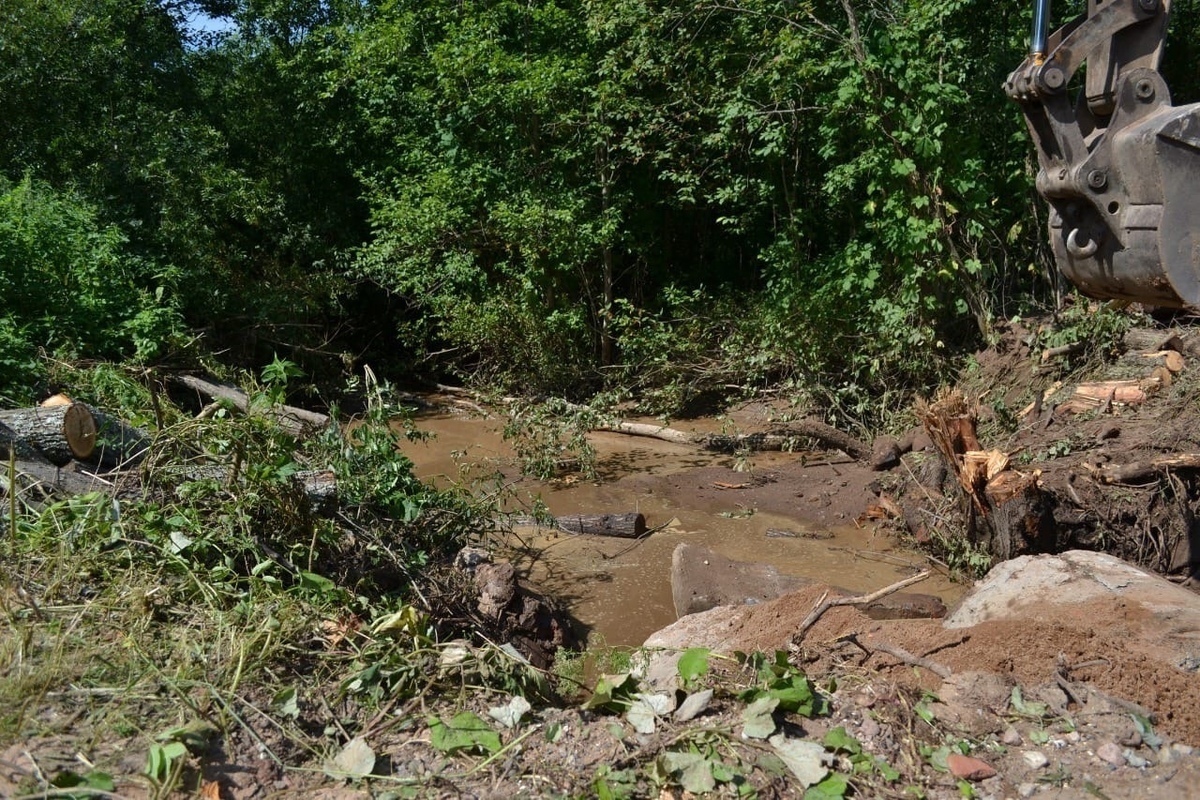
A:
(626, 526)
(60, 433)
(856, 600)
(1143, 471)
(781, 438)
(895, 651)
(295, 420)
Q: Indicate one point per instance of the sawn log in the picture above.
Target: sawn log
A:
(60, 433)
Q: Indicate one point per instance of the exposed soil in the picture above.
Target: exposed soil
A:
(1094, 669)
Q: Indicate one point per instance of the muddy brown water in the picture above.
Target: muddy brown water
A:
(619, 589)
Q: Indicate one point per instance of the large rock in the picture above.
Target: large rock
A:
(1057, 588)
(701, 580)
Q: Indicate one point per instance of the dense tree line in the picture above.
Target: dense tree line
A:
(552, 196)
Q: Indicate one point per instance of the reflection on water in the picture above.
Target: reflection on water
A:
(621, 589)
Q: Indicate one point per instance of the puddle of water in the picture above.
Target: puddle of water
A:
(621, 589)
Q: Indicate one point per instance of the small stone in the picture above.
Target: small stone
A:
(968, 768)
(1011, 737)
(1183, 749)
(1111, 753)
(1027, 790)
(1073, 737)
(1035, 759)
(869, 729)
(1134, 760)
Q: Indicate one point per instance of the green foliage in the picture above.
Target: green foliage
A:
(71, 287)
(779, 680)
(1096, 328)
(550, 437)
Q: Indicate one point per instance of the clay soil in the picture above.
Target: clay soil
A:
(1095, 670)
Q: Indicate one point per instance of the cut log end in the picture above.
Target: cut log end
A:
(79, 429)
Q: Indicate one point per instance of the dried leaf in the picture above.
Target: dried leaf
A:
(805, 759)
(510, 715)
(356, 760)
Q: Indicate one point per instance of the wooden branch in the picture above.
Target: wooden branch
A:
(940, 670)
(295, 420)
(779, 439)
(1142, 471)
(825, 604)
(625, 526)
(1061, 350)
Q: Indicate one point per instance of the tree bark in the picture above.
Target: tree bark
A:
(1018, 519)
(60, 433)
(779, 439)
(626, 526)
(118, 445)
(295, 420)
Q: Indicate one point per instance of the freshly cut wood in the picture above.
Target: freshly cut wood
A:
(626, 526)
(981, 466)
(294, 419)
(1143, 471)
(60, 433)
(1171, 359)
(780, 438)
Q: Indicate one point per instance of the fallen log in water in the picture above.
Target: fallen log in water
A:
(60, 433)
(781, 438)
(625, 526)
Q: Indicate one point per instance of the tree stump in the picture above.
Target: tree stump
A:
(1018, 520)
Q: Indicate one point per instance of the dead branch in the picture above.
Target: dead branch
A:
(1143, 471)
(940, 670)
(856, 600)
(294, 419)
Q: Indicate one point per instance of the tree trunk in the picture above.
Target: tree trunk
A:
(779, 439)
(60, 433)
(1018, 520)
(118, 445)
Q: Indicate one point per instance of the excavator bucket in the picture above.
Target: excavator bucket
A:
(1119, 164)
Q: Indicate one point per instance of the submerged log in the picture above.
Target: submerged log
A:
(60, 433)
(628, 526)
(295, 420)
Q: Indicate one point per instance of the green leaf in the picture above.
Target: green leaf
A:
(466, 731)
(839, 740)
(693, 663)
(611, 689)
(285, 703)
(831, 788)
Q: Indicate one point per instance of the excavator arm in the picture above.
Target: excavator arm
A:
(1119, 165)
